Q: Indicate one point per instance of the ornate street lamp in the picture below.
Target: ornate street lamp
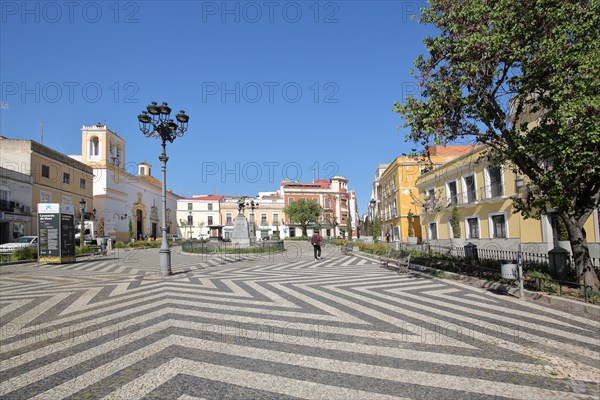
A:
(252, 205)
(156, 123)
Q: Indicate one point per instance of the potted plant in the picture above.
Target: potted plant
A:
(411, 232)
(100, 238)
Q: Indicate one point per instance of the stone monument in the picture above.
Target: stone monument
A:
(241, 232)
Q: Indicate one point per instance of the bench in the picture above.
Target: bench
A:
(347, 248)
(396, 259)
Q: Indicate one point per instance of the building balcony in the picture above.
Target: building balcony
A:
(14, 207)
(492, 191)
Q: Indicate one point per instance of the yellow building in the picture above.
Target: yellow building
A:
(56, 177)
(482, 194)
(397, 194)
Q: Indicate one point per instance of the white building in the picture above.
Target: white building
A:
(199, 216)
(120, 197)
(15, 205)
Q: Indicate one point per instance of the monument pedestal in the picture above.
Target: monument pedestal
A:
(241, 232)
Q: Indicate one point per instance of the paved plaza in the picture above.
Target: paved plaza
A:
(279, 326)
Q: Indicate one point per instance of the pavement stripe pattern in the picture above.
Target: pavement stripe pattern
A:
(279, 326)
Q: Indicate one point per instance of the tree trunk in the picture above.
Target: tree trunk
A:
(581, 254)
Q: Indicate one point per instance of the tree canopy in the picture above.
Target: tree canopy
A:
(521, 77)
(303, 212)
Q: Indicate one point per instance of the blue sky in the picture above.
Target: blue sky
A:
(274, 90)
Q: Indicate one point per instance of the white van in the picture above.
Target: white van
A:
(90, 234)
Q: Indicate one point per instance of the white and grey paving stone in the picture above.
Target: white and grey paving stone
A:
(279, 326)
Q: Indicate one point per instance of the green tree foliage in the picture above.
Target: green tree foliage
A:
(376, 229)
(522, 78)
(81, 231)
(455, 223)
(349, 227)
(303, 212)
(130, 230)
(101, 228)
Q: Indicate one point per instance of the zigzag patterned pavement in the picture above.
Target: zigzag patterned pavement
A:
(277, 327)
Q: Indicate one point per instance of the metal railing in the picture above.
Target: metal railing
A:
(487, 265)
(261, 247)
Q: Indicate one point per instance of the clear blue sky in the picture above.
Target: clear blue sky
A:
(276, 89)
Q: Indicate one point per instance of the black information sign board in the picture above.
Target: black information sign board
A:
(56, 233)
(49, 235)
(67, 238)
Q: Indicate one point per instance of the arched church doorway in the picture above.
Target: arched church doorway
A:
(139, 218)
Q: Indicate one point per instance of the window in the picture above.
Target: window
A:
(210, 206)
(45, 197)
(66, 178)
(66, 200)
(452, 193)
(473, 228)
(190, 206)
(228, 219)
(290, 201)
(142, 170)
(469, 189)
(433, 230)
(94, 147)
(210, 220)
(430, 200)
(275, 218)
(327, 203)
(82, 184)
(498, 226)
(4, 194)
(190, 220)
(263, 219)
(45, 171)
(494, 178)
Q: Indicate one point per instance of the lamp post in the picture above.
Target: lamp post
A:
(81, 223)
(156, 123)
(373, 203)
(252, 205)
(190, 223)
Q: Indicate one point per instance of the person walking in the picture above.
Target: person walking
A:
(315, 240)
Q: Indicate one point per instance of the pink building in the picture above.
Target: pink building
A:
(333, 196)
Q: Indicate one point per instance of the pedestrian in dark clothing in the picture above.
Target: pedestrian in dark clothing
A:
(315, 240)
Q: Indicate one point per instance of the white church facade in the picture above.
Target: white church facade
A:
(121, 198)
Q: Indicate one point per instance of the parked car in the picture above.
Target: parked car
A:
(21, 243)
(175, 237)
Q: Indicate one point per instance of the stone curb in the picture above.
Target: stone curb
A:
(7, 263)
(571, 305)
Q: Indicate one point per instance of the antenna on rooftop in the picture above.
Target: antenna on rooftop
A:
(42, 132)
